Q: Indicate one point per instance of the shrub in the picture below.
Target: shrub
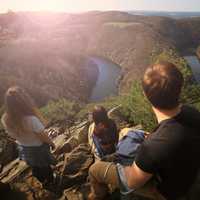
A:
(137, 108)
(60, 110)
(191, 90)
(108, 103)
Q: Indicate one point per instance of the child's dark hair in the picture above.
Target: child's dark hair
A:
(99, 115)
(103, 132)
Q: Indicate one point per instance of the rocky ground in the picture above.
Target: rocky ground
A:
(74, 158)
(8, 149)
(73, 161)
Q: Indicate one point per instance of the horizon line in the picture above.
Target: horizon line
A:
(96, 10)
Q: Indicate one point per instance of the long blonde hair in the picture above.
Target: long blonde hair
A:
(18, 105)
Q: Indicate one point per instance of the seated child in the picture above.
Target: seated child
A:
(103, 135)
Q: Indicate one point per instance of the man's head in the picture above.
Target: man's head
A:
(162, 84)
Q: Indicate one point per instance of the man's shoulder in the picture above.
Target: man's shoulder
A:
(187, 119)
(168, 135)
(167, 128)
(159, 146)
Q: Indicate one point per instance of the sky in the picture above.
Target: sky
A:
(86, 5)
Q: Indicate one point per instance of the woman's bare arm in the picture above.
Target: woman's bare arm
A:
(45, 138)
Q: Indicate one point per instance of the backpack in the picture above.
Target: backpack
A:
(127, 147)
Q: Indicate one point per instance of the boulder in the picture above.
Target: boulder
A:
(75, 165)
(80, 132)
(8, 149)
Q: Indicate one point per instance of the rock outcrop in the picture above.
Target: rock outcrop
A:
(8, 149)
(73, 163)
(74, 159)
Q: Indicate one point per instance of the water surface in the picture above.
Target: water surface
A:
(108, 77)
(194, 63)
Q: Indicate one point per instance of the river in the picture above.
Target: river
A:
(109, 73)
(194, 63)
(106, 84)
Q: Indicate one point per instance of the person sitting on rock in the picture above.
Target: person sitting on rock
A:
(103, 135)
(24, 124)
(169, 155)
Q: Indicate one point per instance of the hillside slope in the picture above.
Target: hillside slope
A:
(129, 40)
(53, 39)
(43, 64)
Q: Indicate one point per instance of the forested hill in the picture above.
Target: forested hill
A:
(48, 54)
(44, 64)
(47, 51)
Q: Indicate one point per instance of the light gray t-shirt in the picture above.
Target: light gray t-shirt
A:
(30, 139)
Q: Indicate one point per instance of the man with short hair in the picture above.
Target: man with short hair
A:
(170, 154)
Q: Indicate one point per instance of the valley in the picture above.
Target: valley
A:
(71, 62)
(57, 47)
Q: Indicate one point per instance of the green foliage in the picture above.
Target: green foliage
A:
(60, 110)
(108, 103)
(191, 90)
(172, 56)
(191, 94)
(137, 109)
(197, 106)
(134, 108)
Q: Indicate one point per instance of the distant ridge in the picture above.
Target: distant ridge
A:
(175, 15)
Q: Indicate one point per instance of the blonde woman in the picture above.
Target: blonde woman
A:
(24, 124)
